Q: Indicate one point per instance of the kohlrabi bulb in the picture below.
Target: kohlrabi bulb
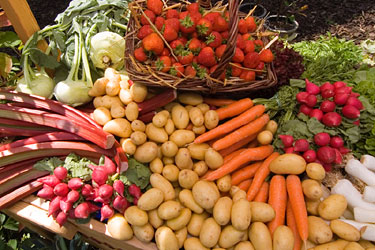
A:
(41, 85)
(73, 93)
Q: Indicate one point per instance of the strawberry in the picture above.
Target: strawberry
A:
(153, 43)
(186, 23)
(169, 33)
(242, 26)
(201, 70)
(247, 75)
(177, 69)
(174, 22)
(260, 67)
(165, 52)
(159, 23)
(213, 68)
(173, 60)
(258, 43)
(144, 31)
(195, 45)
(185, 57)
(193, 8)
(204, 27)
(214, 39)
(212, 16)
(194, 35)
(240, 42)
(251, 24)
(266, 56)
(238, 56)
(183, 40)
(196, 16)
(226, 15)
(251, 60)
(206, 57)
(176, 44)
(246, 36)
(155, 6)
(225, 35)
(190, 71)
(163, 63)
(220, 50)
(140, 54)
(220, 24)
(236, 71)
(172, 13)
(249, 46)
(150, 15)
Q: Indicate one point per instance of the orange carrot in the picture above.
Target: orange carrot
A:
(253, 143)
(206, 174)
(235, 108)
(245, 173)
(244, 185)
(292, 224)
(244, 118)
(237, 145)
(277, 199)
(297, 201)
(251, 128)
(260, 175)
(232, 155)
(250, 154)
(262, 195)
(217, 102)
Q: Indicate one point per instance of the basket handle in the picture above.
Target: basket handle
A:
(206, 4)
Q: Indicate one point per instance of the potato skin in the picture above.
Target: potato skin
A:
(261, 212)
(154, 218)
(196, 116)
(319, 231)
(210, 233)
(205, 194)
(119, 228)
(345, 231)
(146, 152)
(312, 189)
(182, 137)
(158, 181)
(334, 245)
(166, 239)
(169, 210)
(211, 119)
(194, 244)
(283, 238)
(260, 236)
(213, 159)
(181, 236)
(288, 164)
(190, 98)
(230, 236)
(315, 171)
(156, 134)
(151, 199)
(198, 150)
(241, 214)
(244, 245)
(332, 207)
(181, 220)
(186, 199)
(196, 222)
(222, 210)
(224, 183)
(180, 117)
(144, 233)
(187, 178)
(183, 159)
(136, 216)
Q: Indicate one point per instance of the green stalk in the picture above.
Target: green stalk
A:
(73, 69)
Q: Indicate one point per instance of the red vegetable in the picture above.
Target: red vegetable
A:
(354, 102)
(72, 196)
(327, 167)
(82, 211)
(119, 187)
(65, 206)
(109, 166)
(332, 119)
(61, 218)
(60, 172)
(339, 84)
(322, 139)
(75, 183)
(301, 145)
(50, 180)
(338, 158)
(357, 122)
(287, 140)
(336, 142)
(105, 191)
(341, 98)
(135, 191)
(311, 88)
(327, 106)
(61, 189)
(305, 109)
(327, 93)
(46, 193)
(157, 101)
(317, 113)
(87, 191)
(54, 205)
(344, 150)
(309, 156)
(120, 204)
(301, 97)
(355, 95)
(350, 112)
(311, 101)
(99, 176)
(289, 150)
(106, 212)
(92, 208)
(326, 154)
(326, 86)
(344, 90)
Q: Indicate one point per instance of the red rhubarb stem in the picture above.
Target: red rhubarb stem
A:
(157, 101)
(19, 164)
(19, 194)
(147, 117)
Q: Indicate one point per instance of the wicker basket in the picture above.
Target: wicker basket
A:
(142, 73)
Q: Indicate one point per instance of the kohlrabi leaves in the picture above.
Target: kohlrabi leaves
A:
(138, 173)
(48, 164)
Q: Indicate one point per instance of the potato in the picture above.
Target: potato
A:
(345, 231)
(272, 126)
(183, 159)
(169, 210)
(118, 127)
(125, 96)
(169, 127)
(233, 190)
(198, 150)
(366, 244)
(188, 107)
(187, 178)
(117, 111)
(182, 137)
(181, 220)
(222, 210)
(171, 172)
(288, 164)
(230, 236)
(102, 115)
(144, 233)
(196, 116)
(151, 199)
(332, 207)
(112, 88)
(138, 92)
(265, 137)
(186, 198)
(200, 168)
(154, 219)
(181, 236)
(98, 102)
(213, 159)
(131, 111)
(146, 152)
(210, 233)
(168, 160)
(109, 101)
(160, 119)
(319, 231)
(205, 194)
(315, 171)
(260, 236)
(194, 244)
(283, 238)
(199, 130)
(224, 183)
(156, 166)
(119, 228)
(261, 212)
(353, 246)
(312, 206)
(128, 146)
(334, 245)
(170, 106)
(166, 239)
(138, 137)
(211, 119)
(195, 224)
(158, 181)
(180, 116)
(240, 194)
(311, 189)
(156, 134)
(136, 216)
(244, 245)
(138, 125)
(241, 214)
(169, 149)
(190, 98)
(204, 107)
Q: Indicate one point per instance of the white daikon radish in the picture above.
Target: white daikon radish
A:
(355, 168)
(369, 194)
(367, 230)
(364, 215)
(368, 161)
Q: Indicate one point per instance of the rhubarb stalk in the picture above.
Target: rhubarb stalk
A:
(157, 101)
(19, 193)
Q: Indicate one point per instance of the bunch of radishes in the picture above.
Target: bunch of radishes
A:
(328, 102)
(71, 197)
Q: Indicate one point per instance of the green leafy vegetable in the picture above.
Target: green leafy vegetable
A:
(136, 173)
(48, 164)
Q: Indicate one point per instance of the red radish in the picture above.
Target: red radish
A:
(289, 150)
(93, 208)
(305, 109)
(350, 112)
(327, 167)
(54, 205)
(109, 166)
(105, 191)
(341, 98)
(102, 200)
(60, 172)
(135, 201)
(322, 139)
(326, 154)
(328, 93)
(327, 106)
(106, 212)
(50, 180)
(287, 140)
(65, 206)
(344, 90)
(46, 193)
(119, 187)
(61, 218)
(312, 88)
(120, 204)
(332, 119)
(301, 97)
(309, 155)
(135, 191)
(311, 101)
(326, 86)
(71, 214)
(339, 84)
(357, 122)
(354, 102)
(336, 142)
(317, 161)
(82, 211)
(355, 95)
(344, 150)
(301, 145)
(99, 176)
(75, 183)
(61, 189)
(54, 215)
(87, 191)
(317, 113)
(72, 196)
(338, 158)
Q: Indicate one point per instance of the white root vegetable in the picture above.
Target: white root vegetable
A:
(364, 215)
(369, 194)
(367, 230)
(355, 168)
(368, 161)
(352, 195)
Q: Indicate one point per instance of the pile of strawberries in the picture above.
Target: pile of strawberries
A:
(198, 41)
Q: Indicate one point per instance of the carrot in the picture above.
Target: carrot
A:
(235, 108)
(206, 174)
(253, 144)
(244, 185)
(251, 128)
(250, 154)
(245, 173)
(234, 154)
(244, 118)
(237, 145)
(260, 175)
(217, 102)
(262, 195)
(297, 201)
(277, 199)
(292, 224)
